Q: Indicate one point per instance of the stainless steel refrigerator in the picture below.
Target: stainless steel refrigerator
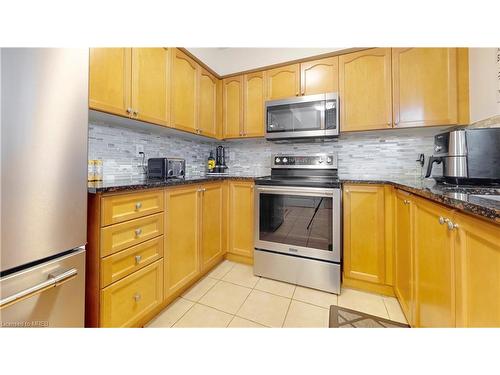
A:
(44, 122)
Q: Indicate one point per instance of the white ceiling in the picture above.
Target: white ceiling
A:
(226, 61)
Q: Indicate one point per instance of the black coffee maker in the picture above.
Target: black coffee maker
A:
(220, 160)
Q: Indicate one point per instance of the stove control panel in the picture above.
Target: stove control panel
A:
(305, 161)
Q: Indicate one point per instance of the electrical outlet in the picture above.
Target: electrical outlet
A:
(138, 149)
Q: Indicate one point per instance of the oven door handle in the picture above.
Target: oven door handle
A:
(308, 191)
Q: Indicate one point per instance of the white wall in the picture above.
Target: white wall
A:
(233, 60)
(483, 83)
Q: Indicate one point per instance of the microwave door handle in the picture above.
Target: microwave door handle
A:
(322, 117)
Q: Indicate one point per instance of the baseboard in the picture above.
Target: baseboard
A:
(239, 258)
(386, 290)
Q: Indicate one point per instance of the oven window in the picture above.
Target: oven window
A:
(295, 117)
(296, 220)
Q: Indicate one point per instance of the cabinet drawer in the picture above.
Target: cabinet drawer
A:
(125, 262)
(125, 302)
(119, 208)
(120, 236)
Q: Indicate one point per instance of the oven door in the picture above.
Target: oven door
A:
(299, 221)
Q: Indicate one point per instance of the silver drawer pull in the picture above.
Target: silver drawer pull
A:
(138, 205)
(138, 259)
(137, 297)
(138, 232)
(442, 220)
(54, 279)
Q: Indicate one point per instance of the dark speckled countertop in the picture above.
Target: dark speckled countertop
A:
(464, 198)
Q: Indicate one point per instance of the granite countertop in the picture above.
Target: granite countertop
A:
(462, 198)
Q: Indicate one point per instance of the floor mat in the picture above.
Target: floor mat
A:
(341, 317)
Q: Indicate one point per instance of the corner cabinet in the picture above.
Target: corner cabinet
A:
(241, 223)
(424, 86)
(232, 107)
(283, 82)
(365, 90)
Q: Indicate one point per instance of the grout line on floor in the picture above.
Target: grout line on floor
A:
(386, 309)
(286, 314)
(194, 303)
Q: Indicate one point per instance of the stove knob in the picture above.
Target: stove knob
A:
(320, 160)
(329, 160)
(285, 160)
(277, 160)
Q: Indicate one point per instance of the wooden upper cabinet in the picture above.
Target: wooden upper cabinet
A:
(319, 76)
(253, 104)
(403, 253)
(150, 81)
(434, 265)
(477, 272)
(364, 233)
(424, 86)
(207, 120)
(365, 90)
(211, 224)
(283, 82)
(184, 97)
(232, 106)
(110, 80)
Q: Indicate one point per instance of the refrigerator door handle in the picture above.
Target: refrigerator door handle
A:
(54, 280)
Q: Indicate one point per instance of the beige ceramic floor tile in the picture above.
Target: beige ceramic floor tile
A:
(275, 287)
(171, 314)
(226, 297)
(365, 302)
(199, 289)
(394, 310)
(242, 274)
(221, 270)
(315, 297)
(304, 315)
(238, 322)
(200, 316)
(265, 308)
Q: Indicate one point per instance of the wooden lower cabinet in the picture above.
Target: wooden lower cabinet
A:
(364, 233)
(241, 220)
(477, 272)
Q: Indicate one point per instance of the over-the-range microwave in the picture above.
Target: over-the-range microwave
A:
(303, 117)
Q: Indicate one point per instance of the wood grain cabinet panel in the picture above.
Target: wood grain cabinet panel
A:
(150, 82)
(212, 212)
(125, 302)
(365, 90)
(253, 104)
(364, 233)
(232, 107)
(319, 76)
(110, 80)
(434, 265)
(184, 97)
(477, 272)
(241, 222)
(207, 119)
(123, 207)
(424, 86)
(283, 82)
(181, 256)
(403, 253)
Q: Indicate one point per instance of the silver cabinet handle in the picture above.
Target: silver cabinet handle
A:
(137, 297)
(442, 220)
(138, 231)
(138, 205)
(129, 110)
(136, 112)
(138, 259)
(54, 279)
(451, 224)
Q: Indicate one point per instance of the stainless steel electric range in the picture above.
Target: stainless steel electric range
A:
(298, 222)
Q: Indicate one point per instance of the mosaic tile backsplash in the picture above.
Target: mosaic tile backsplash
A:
(382, 154)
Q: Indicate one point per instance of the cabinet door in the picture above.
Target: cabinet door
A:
(478, 272)
(424, 86)
(434, 262)
(211, 225)
(207, 120)
(232, 92)
(403, 285)
(181, 254)
(282, 82)
(365, 90)
(364, 233)
(110, 80)
(319, 76)
(253, 104)
(150, 69)
(241, 222)
(184, 91)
